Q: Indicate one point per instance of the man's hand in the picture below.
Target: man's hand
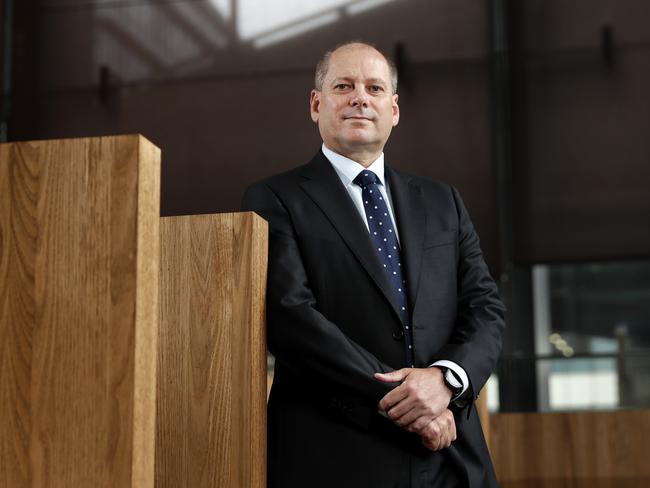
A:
(440, 432)
(420, 399)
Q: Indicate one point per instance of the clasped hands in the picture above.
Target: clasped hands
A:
(419, 404)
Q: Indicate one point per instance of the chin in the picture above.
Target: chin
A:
(359, 136)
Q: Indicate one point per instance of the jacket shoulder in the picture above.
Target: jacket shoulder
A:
(279, 180)
(428, 185)
(278, 189)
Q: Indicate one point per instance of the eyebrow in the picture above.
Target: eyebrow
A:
(370, 81)
(376, 81)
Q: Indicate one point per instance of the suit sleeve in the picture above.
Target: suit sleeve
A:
(298, 335)
(476, 341)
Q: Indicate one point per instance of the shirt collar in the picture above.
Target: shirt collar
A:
(348, 169)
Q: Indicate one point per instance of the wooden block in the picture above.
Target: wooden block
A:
(211, 425)
(79, 222)
(577, 448)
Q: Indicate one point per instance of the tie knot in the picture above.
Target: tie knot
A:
(366, 178)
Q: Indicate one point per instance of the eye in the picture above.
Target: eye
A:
(342, 86)
(376, 88)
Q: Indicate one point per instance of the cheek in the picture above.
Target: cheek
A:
(330, 122)
(333, 118)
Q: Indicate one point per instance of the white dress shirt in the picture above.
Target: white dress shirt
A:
(347, 170)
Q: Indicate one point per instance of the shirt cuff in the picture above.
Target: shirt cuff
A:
(459, 373)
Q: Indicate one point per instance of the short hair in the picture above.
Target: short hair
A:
(323, 65)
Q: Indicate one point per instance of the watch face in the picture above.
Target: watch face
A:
(452, 382)
(451, 379)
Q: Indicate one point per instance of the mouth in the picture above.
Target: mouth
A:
(357, 117)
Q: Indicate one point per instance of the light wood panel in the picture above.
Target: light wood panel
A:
(577, 449)
(484, 414)
(78, 312)
(211, 425)
(629, 482)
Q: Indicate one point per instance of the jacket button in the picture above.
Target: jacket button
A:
(399, 335)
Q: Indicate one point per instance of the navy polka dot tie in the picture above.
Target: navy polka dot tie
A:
(382, 234)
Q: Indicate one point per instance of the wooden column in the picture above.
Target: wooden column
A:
(211, 424)
(78, 312)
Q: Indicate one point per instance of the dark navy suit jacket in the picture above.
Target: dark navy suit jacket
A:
(332, 322)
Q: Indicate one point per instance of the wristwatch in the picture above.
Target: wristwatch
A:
(451, 382)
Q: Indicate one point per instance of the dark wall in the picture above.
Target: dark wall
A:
(583, 130)
(225, 111)
(204, 80)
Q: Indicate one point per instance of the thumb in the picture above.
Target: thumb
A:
(393, 376)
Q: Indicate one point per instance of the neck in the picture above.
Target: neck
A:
(365, 162)
(363, 157)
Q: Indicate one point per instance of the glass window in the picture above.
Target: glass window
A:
(592, 335)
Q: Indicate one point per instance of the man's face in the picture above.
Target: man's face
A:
(356, 110)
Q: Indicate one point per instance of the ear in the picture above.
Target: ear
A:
(395, 110)
(314, 105)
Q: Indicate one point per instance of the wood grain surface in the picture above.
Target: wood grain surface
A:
(211, 422)
(577, 449)
(78, 312)
(630, 482)
(484, 414)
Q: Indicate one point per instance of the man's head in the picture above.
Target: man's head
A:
(354, 102)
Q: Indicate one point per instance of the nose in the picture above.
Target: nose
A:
(359, 97)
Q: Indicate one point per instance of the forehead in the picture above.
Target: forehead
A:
(358, 61)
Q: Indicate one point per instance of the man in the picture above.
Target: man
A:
(381, 313)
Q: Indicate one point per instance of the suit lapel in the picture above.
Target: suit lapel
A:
(409, 213)
(324, 187)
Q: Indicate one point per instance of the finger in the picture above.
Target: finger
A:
(426, 444)
(441, 437)
(413, 413)
(406, 420)
(446, 441)
(413, 419)
(453, 427)
(429, 445)
(432, 434)
(449, 427)
(434, 444)
(446, 437)
(419, 424)
(393, 376)
(403, 412)
(392, 398)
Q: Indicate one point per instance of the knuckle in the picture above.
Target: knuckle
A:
(427, 433)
